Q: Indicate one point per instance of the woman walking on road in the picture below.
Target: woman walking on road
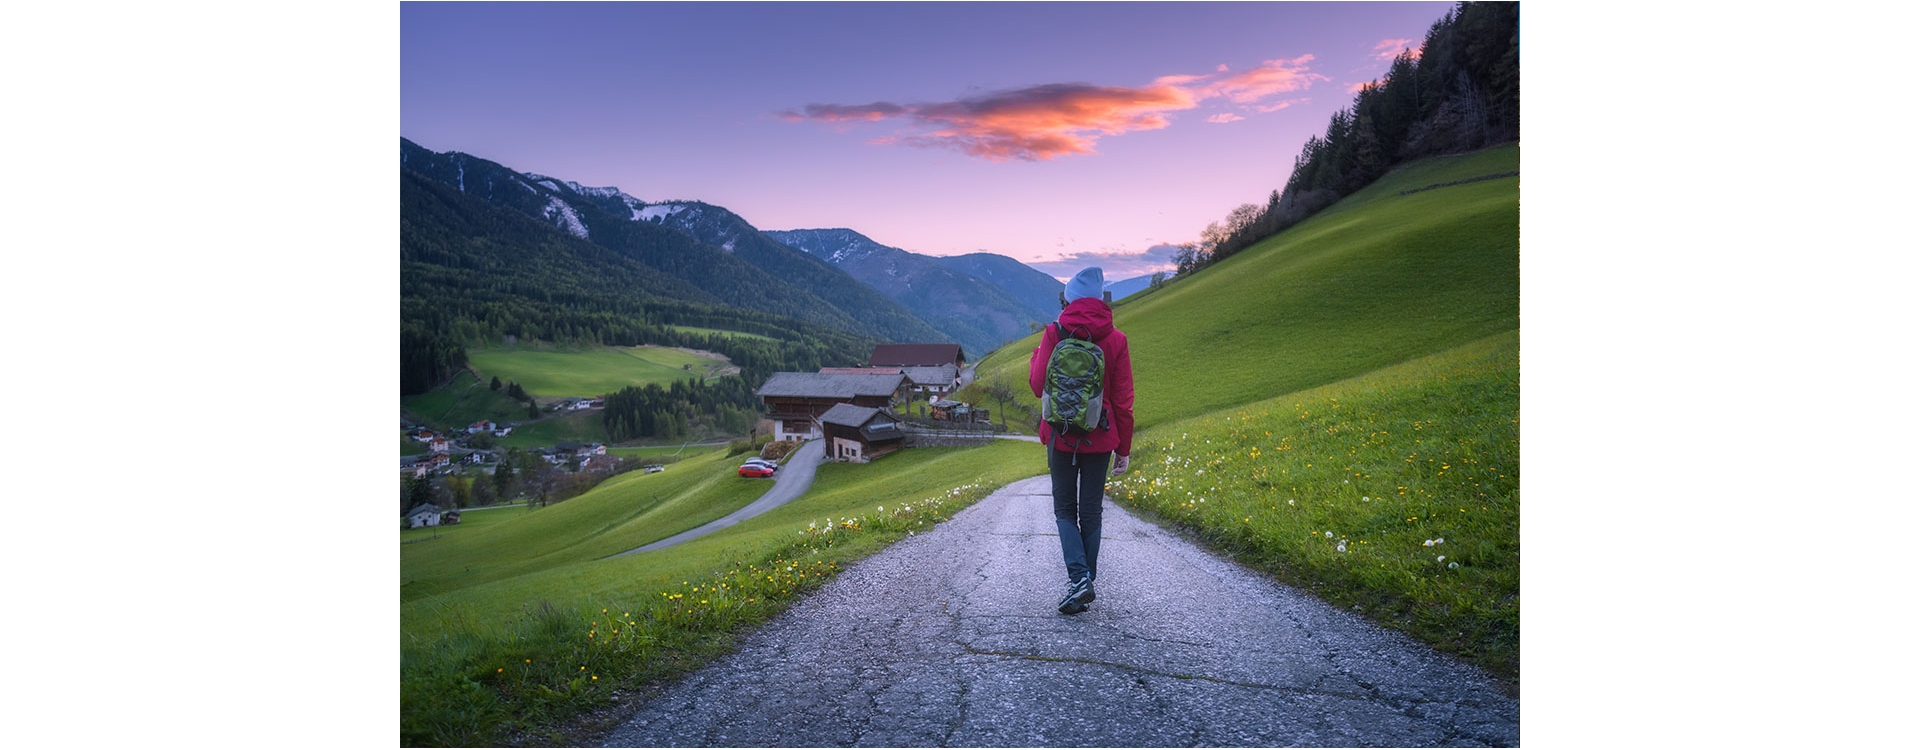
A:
(1076, 459)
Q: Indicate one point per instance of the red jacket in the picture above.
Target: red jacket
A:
(1091, 316)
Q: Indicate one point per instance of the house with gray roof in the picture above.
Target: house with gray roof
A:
(936, 381)
(796, 400)
(860, 433)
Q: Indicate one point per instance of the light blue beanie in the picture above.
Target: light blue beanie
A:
(1086, 283)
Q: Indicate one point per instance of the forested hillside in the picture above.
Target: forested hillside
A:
(1460, 92)
(719, 266)
(473, 271)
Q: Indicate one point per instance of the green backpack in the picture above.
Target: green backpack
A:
(1070, 395)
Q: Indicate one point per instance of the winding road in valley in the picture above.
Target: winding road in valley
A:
(950, 638)
(792, 479)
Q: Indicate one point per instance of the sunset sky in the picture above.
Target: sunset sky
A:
(1058, 134)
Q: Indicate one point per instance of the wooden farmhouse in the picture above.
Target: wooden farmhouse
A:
(796, 400)
(860, 433)
(917, 355)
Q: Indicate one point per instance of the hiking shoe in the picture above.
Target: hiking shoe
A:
(1077, 596)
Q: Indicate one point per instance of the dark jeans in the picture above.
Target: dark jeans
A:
(1079, 481)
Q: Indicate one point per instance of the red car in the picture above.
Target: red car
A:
(753, 470)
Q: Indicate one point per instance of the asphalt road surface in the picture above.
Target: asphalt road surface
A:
(951, 638)
(792, 479)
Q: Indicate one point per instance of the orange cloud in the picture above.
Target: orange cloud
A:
(1051, 120)
(1034, 123)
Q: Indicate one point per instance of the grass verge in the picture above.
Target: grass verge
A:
(520, 655)
(1395, 494)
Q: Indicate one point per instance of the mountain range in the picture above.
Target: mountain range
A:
(979, 313)
(747, 271)
(706, 255)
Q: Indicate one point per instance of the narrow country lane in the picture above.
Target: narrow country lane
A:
(793, 479)
(951, 638)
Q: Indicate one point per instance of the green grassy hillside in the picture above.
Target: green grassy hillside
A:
(1373, 281)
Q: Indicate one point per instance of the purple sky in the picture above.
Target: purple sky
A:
(1058, 134)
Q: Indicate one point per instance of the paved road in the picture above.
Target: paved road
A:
(950, 638)
(793, 478)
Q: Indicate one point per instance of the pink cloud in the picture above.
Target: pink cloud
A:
(1272, 77)
(1051, 120)
(1388, 49)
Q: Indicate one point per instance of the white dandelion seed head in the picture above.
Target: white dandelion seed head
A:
(1442, 558)
(1427, 543)
(1452, 565)
(1329, 535)
(1441, 540)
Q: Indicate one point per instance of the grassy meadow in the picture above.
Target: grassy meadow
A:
(553, 429)
(1395, 494)
(471, 521)
(557, 373)
(510, 631)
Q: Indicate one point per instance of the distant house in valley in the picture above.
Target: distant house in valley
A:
(796, 400)
(860, 433)
(601, 463)
(424, 514)
(934, 381)
(417, 466)
(575, 454)
(917, 355)
(481, 426)
(439, 445)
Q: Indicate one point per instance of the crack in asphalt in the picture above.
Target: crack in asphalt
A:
(1169, 675)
